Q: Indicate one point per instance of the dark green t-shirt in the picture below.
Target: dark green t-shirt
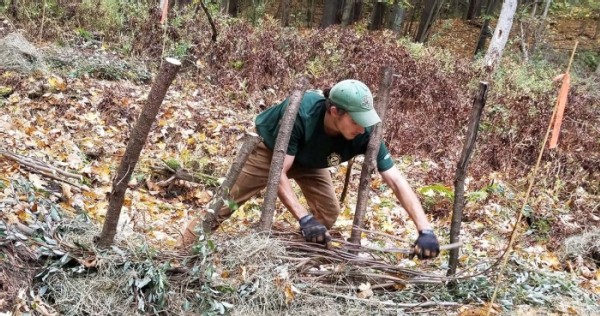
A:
(309, 144)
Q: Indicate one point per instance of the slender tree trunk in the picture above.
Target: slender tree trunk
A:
(597, 31)
(474, 10)
(347, 13)
(538, 36)
(135, 145)
(347, 180)
(285, 12)
(248, 145)
(426, 20)
(330, 12)
(397, 18)
(281, 145)
(377, 17)
(310, 12)
(357, 11)
(500, 37)
(369, 163)
(485, 28)
(461, 173)
(213, 38)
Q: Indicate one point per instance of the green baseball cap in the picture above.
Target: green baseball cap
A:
(355, 98)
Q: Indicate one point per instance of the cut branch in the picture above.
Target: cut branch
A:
(135, 145)
(372, 150)
(461, 172)
(250, 142)
(281, 145)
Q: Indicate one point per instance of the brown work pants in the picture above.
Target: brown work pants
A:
(316, 185)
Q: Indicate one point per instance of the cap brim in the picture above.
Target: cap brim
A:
(365, 119)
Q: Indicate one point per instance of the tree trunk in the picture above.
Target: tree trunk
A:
(397, 18)
(213, 38)
(426, 20)
(347, 180)
(538, 35)
(229, 7)
(370, 156)
(474, 10)
(347, 13)
(285, 12)
(378, 15)
(135, 145)
(461, 173)
(597, 31)
(500, 37)
(310, 12)
(485, 32)
(330, 12)
(248, 145)
(281, 145)
(357, 11)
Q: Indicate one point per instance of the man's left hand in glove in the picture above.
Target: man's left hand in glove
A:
(426, 246)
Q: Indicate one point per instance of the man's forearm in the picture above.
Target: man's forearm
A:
(407, 198)
(289, 199)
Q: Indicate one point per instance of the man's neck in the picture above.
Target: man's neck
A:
(329, 125)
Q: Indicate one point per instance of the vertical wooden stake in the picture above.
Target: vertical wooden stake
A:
(281, 145)
(136, 143)
(250, 142)
(370, 156)
(461, 172)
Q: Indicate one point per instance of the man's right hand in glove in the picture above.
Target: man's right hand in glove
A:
(313, 231)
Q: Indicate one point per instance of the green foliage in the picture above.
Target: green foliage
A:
(532, 79)
(173, 164)
(437, 190)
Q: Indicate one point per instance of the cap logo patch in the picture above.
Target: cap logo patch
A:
(366, 103)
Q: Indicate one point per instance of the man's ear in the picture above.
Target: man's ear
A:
(334, 110)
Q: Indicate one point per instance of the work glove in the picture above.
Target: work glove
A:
(426, 246)
(313, 231)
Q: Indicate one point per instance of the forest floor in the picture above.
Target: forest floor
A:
(71, 119)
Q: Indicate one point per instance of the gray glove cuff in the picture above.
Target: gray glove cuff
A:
(305, 219)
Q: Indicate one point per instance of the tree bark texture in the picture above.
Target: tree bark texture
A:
(347, 180)
(285, 12)
(250, 142)
(377, 16)
(485, 33)
(474, 10)
(213, 38)
(426, 20)
(330, 12)
(397, 18)
(229, 7)
(461, 173)
(500, 37)
(346, 16)
(357, 11)
(279, 152)
(135, 145)
(370, 156)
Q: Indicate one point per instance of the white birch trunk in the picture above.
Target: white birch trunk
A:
(492, 57)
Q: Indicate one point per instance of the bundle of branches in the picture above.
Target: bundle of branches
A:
(353, 264)
(47, 170)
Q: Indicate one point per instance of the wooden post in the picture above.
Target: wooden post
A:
(370, 156)
(251, 140)
(135, 145)
(347, 180)
(281, 145)
(461, 172)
